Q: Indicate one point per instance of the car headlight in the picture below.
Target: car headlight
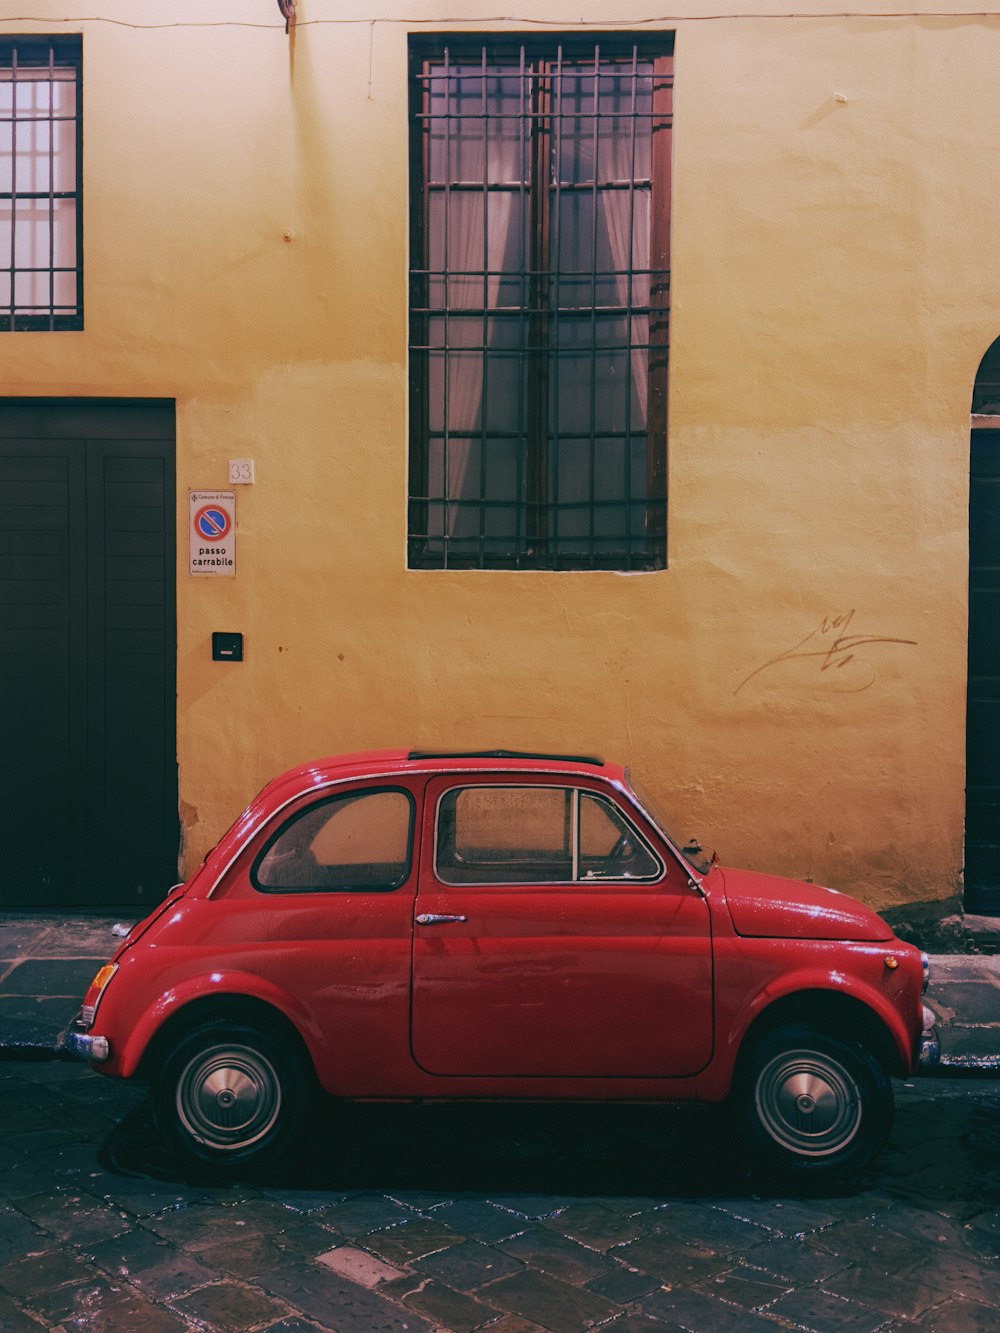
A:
(95, 991)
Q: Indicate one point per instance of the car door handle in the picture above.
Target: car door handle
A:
(437, 919)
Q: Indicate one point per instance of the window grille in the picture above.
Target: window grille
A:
(41, 279)
(539, 301)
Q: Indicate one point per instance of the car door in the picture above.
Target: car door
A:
(554, 936)
(320, 907)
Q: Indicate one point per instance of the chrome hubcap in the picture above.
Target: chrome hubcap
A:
(228, 1096)
(808, 1103)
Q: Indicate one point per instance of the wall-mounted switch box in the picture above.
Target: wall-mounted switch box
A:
(227, 647)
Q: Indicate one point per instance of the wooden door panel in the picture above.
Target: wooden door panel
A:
(87, 652)
(982, 834)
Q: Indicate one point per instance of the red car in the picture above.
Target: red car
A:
(500, 925)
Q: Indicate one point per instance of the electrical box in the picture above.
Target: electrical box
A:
(226, 647)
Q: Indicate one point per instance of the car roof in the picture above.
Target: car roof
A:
(386, 763)
(382, 764)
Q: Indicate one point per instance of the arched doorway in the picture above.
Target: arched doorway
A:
(982, 733)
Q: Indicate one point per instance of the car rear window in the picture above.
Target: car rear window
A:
(358, 841)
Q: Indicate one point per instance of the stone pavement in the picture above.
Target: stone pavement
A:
(509, 1219)
(512, 1220)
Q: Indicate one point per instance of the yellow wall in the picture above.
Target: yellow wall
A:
(834, 279)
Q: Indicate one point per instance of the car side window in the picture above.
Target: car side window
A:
(536, 835)
(359, 841)
(610, 847)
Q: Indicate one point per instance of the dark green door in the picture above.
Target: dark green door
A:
(88, 780)
(982, 798)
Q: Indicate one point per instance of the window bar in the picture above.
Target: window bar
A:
(538, 373)
(524, 328)
(420, 530)
(446, 500)
(592, 507)
(554, 259)
(659, 304)
(484, 397)
(13, 178)
(52, 183)
(629, 315)
(78, 184)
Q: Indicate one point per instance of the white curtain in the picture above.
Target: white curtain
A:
(626, 217)
(602, 200)
(483, 247)
(604, 215)
(472, 238)
(624, 156)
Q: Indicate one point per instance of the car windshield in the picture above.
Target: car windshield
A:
(690, 850)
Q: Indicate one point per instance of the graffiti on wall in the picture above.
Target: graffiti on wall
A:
(830, 656)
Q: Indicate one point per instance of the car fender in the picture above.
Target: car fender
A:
(127, 1054)
(832, 981)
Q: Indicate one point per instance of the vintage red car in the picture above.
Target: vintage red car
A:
(399, 925)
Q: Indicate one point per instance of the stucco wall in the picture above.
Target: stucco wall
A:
(792, 686)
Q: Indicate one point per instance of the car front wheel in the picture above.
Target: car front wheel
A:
(230, 1094)
(813, 1104)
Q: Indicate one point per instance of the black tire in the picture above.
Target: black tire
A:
(231, 1094)
(813, 1105)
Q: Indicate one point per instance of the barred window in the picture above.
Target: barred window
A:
(539, 300)
(41, 280)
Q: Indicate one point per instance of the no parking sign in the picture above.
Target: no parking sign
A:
(212, 532)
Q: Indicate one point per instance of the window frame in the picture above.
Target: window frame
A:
(307, 808)
(51, 52)
(535, 545)
(576, 881)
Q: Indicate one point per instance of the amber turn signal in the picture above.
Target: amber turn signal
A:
(94, 993)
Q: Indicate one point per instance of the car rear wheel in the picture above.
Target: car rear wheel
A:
(813, 1104)
(230, 1094)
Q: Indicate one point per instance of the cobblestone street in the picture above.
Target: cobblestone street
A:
(509, 1218)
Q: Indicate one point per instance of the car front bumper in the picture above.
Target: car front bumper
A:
(929, 1053)
(78, 1044)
